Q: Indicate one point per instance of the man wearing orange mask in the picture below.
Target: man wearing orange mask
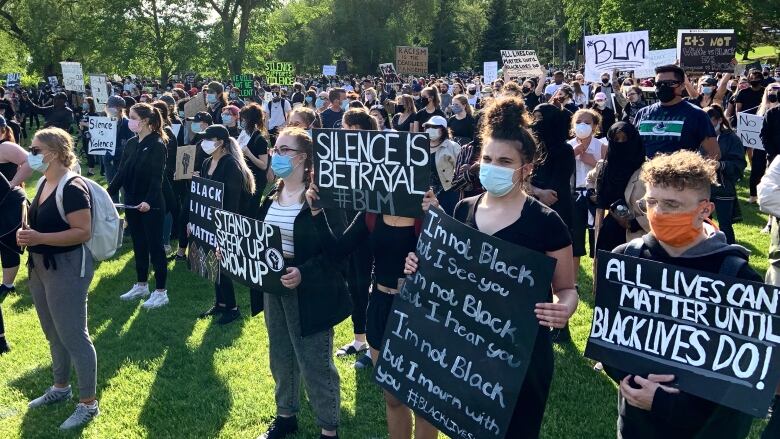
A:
(678, 206)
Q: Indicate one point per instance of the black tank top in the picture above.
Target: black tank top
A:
(390, 246)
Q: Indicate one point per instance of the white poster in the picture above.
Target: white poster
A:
(608, 52)
(99, 86)
(72, 76)
(749, 130)
(102, 135)
(656, 58)
(176, 127)
(13, 79)
(521, 63)
(490, 71)
(329, 70)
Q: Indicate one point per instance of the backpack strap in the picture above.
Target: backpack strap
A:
(67, 178)
(634, 247)
(370, 221)
(732, 265)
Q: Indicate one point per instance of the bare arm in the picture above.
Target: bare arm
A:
(539, 86)
(721, 92)
(565, 298)
(79, 232)
(710, 146)
(15, 154)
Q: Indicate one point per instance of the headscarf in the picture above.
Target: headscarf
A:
(550, 131)
(623, 159)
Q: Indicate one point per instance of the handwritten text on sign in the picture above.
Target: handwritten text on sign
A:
(749, 130)
(717, 335)
(373, 171)
(279, 73)
(102, 136)
(521, 63)
(72, 76)
(706, 50)
(245, 85)
(460, 335)
(622, 51)
(98, 84)
(251, 251)
(205, 197)
(411, 59)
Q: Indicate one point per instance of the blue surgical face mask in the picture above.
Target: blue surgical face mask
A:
(308, 99)
(344, 105)
(319, 102)
(706, 90)
(36, 162)
(227, 119)
(456, 109)
(282, 165)
(497, 180)
(211, 98)
(181, 115)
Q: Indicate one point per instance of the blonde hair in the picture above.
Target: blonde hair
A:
(464, 101)
(59, 142)
(765, 105)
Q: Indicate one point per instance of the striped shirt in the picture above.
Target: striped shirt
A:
(284, 218)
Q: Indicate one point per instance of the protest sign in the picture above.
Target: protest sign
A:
(389, 73)
(716, 334)
(245, 85)
(490, 71)
(251, 251)
(185, 162)
(706, 50)
(175, 127)
(411, 60)
(461, 331)
(329, 70)
(102, 135)
(749, 130)
(279, 73)
(72, 76)
(195, 105)
(98, 84)
(656, 58)
(53, 81)
(205, 198)
(621, 51)
(13, 79)
(520, 63)
(372, 171)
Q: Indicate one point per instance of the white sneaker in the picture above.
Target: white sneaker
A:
(137, 292)
(81, 416)
(156, 300)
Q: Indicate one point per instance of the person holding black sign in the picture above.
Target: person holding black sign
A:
(677, 203)
(300, 324)
(506, 211)
(226, 165)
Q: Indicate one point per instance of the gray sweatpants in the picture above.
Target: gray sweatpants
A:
(60, 296)
(293, 357)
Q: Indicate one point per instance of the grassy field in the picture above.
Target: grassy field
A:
(166, 374)
(762, 52)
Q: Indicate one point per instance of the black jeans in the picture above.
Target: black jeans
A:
(724, 210)
(224, 292)
(757, 169)
(146, 230)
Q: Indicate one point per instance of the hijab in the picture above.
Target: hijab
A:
(622, 160)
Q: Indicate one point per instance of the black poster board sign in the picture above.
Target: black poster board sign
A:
(245, 85)
(461, 332)
(251, 251)
(205, 197)
(718, 335)
(707, 51)
(372, 171)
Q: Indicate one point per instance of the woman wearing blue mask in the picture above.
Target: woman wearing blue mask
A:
(508, 212)
(300, 324)
(230, 120)
(310, 99)
(216, 100)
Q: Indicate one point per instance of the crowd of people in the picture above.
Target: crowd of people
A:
(638, 166)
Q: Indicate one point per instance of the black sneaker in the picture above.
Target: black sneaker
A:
(281, 428)
(364, 362)
(5, 291)
(177, 257)
(228, 316)
(4, 348)
(214, 310)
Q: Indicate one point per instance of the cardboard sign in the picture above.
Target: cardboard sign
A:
(521, 63)
(245, 85)
(461, 332)
(372, 171)
(205, 197)
(13, 79)
(329, 70)
(411, 60)
(718, 335)
(251, 251)
(388, 73)
(655, 59)
(98, 84)
(185, 162)
(53, 81)
(72, 76)
(102, 135)
(621, 51)
(279, 73)
(749, 130)
(706, 50)
(490, 71)
(195, 105)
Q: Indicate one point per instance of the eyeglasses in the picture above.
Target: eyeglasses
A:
(284, 150)
(669, 83)
(645, 204)
(296, 124)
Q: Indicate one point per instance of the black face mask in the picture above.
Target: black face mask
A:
(664, 93)
(733, 89)
(399, 108)
(424, 101)
(755, 83)
(526, 90)
(605, 81)
(772, 98)
(472, 92)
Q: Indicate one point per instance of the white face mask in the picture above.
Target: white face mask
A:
(209, 146)
(433, 133)
(583, 130)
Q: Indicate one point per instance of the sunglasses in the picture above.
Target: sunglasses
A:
(35, 150)
(670, 83)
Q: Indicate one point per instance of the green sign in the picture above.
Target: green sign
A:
(279, 73)
(245, 85)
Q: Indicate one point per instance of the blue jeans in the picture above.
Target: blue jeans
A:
(724, 209)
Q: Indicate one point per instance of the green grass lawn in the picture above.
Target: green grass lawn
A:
(165, 374)
(762, 52)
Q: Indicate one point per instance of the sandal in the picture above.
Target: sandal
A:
(350, 349)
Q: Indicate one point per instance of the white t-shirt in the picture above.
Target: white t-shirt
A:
(581, 168)
(276, 117)
(552, 88)
(284, 218)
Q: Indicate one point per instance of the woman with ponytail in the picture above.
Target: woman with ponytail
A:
(226, 165)
(141, 176)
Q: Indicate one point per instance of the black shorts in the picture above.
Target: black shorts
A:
(379, 306)
(10, 253)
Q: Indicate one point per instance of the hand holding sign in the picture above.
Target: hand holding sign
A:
(292, 279)
(643, 396)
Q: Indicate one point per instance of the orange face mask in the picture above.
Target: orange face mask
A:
(675, 229)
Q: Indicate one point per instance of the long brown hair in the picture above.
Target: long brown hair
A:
(153, 117)
(253, 118)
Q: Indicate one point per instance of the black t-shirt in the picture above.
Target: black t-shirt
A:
(424, 116)
(331, 119)
(462, 127)
(750, 99)
(45, 218)
(297, 98)
(405, 125)
(531, 101)
(258, 146)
